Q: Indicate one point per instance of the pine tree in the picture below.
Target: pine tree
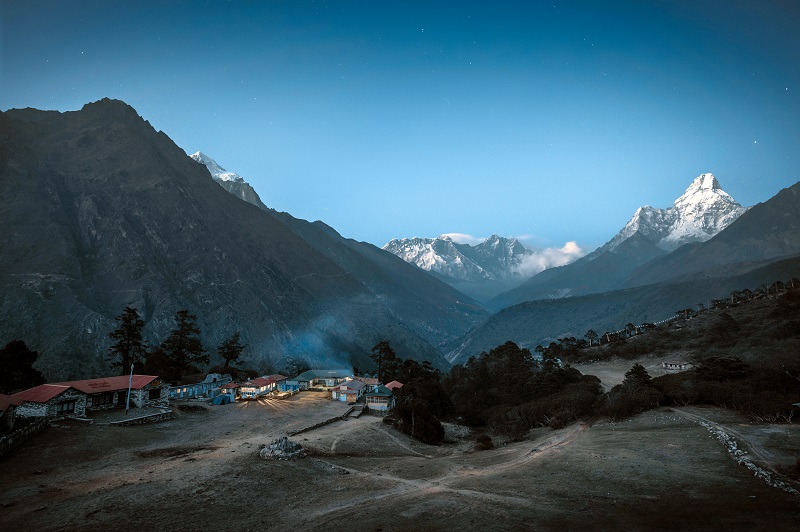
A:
(230, 350)
(382, 353)
(637, 378)
(183, 347)
(129, 347)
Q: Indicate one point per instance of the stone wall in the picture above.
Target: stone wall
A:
(19, 436)
(142, 420)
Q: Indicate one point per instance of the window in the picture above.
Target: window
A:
(102, 399)
(154, 393)
(65, 407)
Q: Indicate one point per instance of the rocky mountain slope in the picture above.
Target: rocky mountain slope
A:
(430, 308)
(99, 211)
(766, 232)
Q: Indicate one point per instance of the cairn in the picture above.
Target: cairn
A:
(282, 449)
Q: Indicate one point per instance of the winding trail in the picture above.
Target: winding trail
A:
(424, 488)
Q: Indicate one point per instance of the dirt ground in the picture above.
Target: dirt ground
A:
(662, 470)
(612, 372)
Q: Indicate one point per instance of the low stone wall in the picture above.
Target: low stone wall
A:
(321, 424)
(142, 420)
(19, 436)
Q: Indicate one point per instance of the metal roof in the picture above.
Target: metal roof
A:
(45, 392)
(380, 391)
(352, 384)
(110, 384)
(41, 393)
(394, 384)
(265, 381)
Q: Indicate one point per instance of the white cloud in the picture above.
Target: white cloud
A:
(545, 258)
(463, 238)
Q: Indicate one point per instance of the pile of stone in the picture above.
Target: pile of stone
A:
(283, 449)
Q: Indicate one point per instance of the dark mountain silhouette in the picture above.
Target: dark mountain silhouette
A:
(99, 211)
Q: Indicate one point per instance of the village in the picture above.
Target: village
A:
(146, 398)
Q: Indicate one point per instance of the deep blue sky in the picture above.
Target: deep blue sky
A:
(552, 120)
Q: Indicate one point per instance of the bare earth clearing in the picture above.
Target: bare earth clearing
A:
(660, 470)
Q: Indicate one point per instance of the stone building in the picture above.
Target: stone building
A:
(51, 400)
(76, 398)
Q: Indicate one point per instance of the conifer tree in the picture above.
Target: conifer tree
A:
(183, 347)
(230, 350)
(129, 347)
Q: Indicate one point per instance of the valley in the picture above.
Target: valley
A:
(224, 304)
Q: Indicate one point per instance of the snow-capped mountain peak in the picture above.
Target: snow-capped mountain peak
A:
(217, 172)
(496, 258)
(701, 212)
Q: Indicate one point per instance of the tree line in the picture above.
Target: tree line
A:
(507, 390)
(177, 356)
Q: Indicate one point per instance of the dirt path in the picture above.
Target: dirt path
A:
(512, 459)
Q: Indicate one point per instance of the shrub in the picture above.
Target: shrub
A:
(484, 443)
(621, 404)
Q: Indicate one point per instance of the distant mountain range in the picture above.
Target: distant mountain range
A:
(99, 211)
(481, 271)
(700, 213)
(493, 271)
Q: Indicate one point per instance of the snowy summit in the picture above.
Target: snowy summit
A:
(217, 172)
(700, 213)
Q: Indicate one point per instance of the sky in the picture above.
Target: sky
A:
(547, 121)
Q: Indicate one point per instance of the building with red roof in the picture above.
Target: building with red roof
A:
(260, 386)
(76, 398)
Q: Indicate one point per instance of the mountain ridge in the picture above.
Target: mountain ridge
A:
(99, 211)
